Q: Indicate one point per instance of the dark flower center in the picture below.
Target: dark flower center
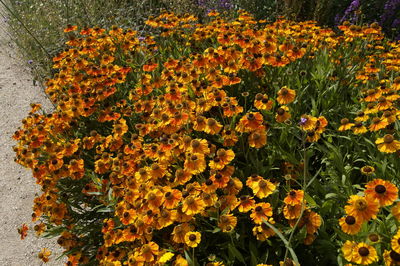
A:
(344, 121)
(380, 189)
(192, 237)
(394, 255)
(350, 220)
(388, 138)
(284, 91)
(262, 184)
(281, 111)
(367, 169)
(258, 209)
(373, 237)
(250, 116)
(363, 251)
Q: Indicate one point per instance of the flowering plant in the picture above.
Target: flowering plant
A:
(219, 143)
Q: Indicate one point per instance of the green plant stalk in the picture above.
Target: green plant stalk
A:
(27, 30)
(303, 203)
(285, 241)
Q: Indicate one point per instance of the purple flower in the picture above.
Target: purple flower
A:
(303, 120)
(349, 13)
(141, 38)
(389, 10)
(30, 62)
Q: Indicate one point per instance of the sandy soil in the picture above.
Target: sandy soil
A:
(18, 187)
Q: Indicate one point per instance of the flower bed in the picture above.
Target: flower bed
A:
(222, 143)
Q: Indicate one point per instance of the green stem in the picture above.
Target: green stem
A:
(194, 263)
(285, 241)
(303, 204)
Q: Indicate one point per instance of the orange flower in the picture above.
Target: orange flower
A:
(286, 95)
(195, 164)
(230, 138)
(44, 255)
(23, 231)
(364, 254)
(223, 158)
(395, 242)
(250, 122)
(246, 203)
(362, 208)
(179, 232)
(311, 220)
(384, 191)
(70, 28)
(321, 124)
(262, 232)
(227, 222)
(263, 188)
(361, 117)
(291, 212)
(262, 102)
(212, 126)
(312, 136)
(149, 251)
(150, 67)
(294, 197)
(377, 124)
(309, 123)
(172, 198)
(282, 114)
(261, 211)
(192, 206)
(199, 146)
(258, 139)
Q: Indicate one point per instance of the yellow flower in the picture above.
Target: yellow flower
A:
(166, 257)
(192, 239)
(388, 144)
(396, 211)
(395, 242)
(391, 258)
(347, 250)
(350, 224)
(364, 254)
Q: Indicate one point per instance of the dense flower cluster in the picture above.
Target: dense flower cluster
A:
(162, 148)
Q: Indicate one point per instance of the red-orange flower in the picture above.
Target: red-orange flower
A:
(384, 191)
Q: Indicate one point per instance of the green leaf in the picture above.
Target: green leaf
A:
(253, 254)
(310, 200)
(330, 195)
(188, 258)
(216, 230)
(236, 253)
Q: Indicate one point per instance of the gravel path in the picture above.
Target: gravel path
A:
(18, 187)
